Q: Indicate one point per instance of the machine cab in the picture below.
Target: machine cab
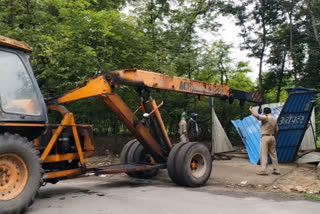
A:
(20, 97)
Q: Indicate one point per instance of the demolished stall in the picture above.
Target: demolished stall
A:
(293, 121)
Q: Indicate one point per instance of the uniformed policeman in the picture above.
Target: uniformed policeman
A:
(268, 132)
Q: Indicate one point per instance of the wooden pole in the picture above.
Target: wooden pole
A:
(212, 127)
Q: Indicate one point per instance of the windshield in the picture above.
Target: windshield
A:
(17, 93)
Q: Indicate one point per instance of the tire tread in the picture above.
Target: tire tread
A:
(13, 143)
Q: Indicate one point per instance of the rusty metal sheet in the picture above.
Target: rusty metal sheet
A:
(14, 44)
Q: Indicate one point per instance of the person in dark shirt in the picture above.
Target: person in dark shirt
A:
(193, 129)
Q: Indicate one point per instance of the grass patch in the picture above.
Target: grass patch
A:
(311, 197)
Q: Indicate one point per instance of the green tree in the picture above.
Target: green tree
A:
(75, 40)
(257, 20)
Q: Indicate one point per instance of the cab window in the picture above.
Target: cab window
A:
(17, 92)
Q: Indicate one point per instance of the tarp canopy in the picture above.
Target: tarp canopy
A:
(221, 142)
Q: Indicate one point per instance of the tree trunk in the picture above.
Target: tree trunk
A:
(281, 76)
(189, 49)
(220, 66)
(264, 43)
(221, 77)
(294, 63)
(261, 60)
(152, 20)
(223, 73)
(314, 24)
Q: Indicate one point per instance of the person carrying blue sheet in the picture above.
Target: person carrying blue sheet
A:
(268, 132)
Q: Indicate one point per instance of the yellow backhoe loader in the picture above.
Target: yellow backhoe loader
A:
(32, 151)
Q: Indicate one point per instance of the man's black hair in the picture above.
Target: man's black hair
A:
(267, 110)
(194, 115)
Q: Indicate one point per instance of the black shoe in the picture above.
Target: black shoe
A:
(262, 173)
(276, 172)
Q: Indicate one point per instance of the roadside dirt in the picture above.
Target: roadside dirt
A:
(239, 174)
(236, 173)
(302, 179)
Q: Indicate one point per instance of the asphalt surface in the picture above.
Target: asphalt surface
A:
(120, 194)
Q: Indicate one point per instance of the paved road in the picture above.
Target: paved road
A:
(121, 195)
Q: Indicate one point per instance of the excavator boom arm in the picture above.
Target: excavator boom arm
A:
(102, 86)
(145, 79)
(141, 78)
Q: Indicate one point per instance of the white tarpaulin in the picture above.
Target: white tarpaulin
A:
(308, 142)
(221, 142)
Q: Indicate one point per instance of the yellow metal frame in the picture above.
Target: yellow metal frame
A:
(67, 121)
(157, 114)
(70, 173)
(100, 87)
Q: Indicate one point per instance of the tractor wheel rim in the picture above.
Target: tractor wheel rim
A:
(198, 165)
(13, 176)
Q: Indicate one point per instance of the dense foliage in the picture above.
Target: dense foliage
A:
(74, 40)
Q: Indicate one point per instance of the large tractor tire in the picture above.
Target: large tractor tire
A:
(133, 152)
(20, 174)
(189, 164)
(171, 162)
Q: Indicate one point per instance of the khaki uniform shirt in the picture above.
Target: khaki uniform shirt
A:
(182, 127)
(268, 126)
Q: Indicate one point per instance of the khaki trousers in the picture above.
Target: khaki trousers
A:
(184, 139)
(268, 145)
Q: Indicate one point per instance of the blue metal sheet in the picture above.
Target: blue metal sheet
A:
(248, 129)
(292, 121)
